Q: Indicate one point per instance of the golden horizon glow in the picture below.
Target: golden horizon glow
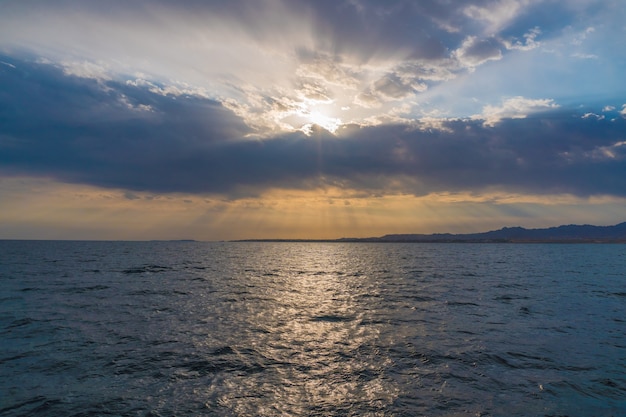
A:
(45, 209)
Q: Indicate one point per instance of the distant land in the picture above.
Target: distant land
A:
(561, 234)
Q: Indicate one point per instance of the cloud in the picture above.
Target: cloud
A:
(264, 113)
(7, 64)
(593, 116)
(497, 14)
(86, 69)
(579, 55)
(326, 68)
(364, 55)
(615, 151)
(514, 108)
(394, 87)
(582, 36)
(529, 43)
(76, 123)
(474, 51)
(79, 132)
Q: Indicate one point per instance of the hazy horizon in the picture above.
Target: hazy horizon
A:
(338, 240)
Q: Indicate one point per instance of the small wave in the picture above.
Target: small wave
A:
(80, 290)
(203, 367)
(18, 357)
(150, 292)
(146, 269)
(462, 303)
(417, 298)
(209, 339)
(509, 297)
(35, 400)
(20, 322)
(331, 318)
(224, 350)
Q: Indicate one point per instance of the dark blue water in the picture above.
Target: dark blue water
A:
(311, 329)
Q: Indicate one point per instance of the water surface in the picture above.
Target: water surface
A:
(315, 329)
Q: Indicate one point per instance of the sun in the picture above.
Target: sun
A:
(307, 113)
(327, 122)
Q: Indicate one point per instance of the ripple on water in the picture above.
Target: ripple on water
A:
(225, 329)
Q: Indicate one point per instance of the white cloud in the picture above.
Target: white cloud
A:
(474, 51)
(394, 87)
(580, 55)
(529, 43)
(437, 71)
(496, 14)
(368, 100)
(582, 36)
(623, 111)
(327, 69)
(135, 107)
(314, 92)
(86, 69)
(173, 89)
(616, 151)
(593, 116)
(608, 108)
(514, 108)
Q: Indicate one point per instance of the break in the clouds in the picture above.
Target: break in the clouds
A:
(241, 97)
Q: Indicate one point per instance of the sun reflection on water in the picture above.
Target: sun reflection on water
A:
(309, 331)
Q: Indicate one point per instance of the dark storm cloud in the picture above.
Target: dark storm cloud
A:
(113, 134)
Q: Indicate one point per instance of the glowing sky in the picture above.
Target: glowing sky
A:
(155, 119)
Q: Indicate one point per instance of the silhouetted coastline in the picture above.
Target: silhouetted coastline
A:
(560, 234)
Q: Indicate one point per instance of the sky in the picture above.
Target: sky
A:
(219, 120)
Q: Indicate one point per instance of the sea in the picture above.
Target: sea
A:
(312, 329)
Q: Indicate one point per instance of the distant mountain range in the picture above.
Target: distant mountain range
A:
(561, 234)
(565, 234)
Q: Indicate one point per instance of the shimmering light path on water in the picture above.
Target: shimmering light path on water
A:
(327, 329)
